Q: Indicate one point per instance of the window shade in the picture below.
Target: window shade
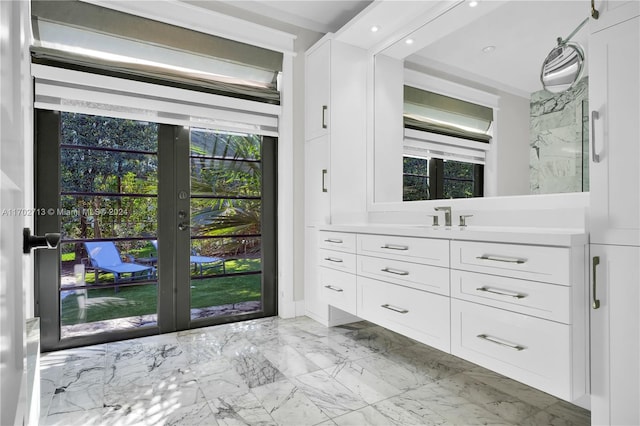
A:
(67, 90)
(422, 144)
(85, 35)
(444, 115)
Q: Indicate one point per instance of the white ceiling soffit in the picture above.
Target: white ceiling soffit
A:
(322, 16)
(392, 19)
(522, 34)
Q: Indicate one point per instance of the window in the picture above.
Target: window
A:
(436, 178)
(189, 175)
(445, 145)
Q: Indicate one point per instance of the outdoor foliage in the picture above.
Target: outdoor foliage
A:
(96, 173)
(415, 179)
(109, 187)
(226, 178)
(226, 183)
(457, 179)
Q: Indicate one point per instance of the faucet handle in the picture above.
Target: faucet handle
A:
(435, 219)
(463, 218)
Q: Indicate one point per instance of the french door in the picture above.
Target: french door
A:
(163, 227)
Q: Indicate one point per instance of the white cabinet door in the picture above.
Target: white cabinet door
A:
(318, 90)
(613, 12)
(615, 122)
(615, 336)
(316, 193)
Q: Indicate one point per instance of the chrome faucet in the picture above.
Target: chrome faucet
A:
(447, 214)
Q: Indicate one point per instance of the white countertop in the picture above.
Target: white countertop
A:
(564, 237)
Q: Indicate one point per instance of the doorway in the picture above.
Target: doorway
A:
(164, 227)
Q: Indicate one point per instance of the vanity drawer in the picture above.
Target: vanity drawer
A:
(338, 260)
(531, 350)
(338, 289)
(415, 275)
(341, 241)
(417, 314)
(537, 263)
(411, 249)
(549, 301)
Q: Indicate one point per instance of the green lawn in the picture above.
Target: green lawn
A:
(105, 303)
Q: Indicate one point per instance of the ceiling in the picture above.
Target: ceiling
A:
(321, 16)
(522, 32)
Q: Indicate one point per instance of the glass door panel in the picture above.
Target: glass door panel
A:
(226, 222)
(115, 180)
(108, 215)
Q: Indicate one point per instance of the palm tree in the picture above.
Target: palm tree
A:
(226, 183)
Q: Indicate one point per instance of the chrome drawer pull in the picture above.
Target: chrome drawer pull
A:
(333, 259)
(394, 271)
(502, 293)
(333, 240)
(502, 259)
(330, 287)
(394, 308)
(394, 247)
(500, 342)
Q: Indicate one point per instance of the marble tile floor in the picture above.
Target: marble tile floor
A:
(284, 372)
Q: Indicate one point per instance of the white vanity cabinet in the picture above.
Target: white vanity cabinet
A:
(492, 298)
(403, 285)
(614, 100)
(337, 279)
(521, 310)
(318, 90)
(612, 12)
(615, 336)
(335, 130)
(335, 163)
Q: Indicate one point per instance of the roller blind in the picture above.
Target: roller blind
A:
(423, 144)
(436, 113)
(86, 36)
(67, 90)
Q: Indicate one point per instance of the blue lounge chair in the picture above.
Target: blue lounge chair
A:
(199, 261)
(104, 256)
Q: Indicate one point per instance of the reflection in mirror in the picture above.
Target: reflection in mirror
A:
(535, 140)
(442, 156)
(563, 67)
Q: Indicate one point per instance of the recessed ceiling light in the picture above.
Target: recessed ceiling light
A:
(488, 49)
(473, 3)
(375, 29)
(409, 41)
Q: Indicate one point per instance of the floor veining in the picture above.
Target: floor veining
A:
(294, 372)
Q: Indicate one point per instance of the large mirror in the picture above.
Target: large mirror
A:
(460, 110)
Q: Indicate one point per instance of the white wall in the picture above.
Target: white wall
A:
(388, 129)
(512, 148)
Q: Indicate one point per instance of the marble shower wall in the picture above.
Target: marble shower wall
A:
(559, 141)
